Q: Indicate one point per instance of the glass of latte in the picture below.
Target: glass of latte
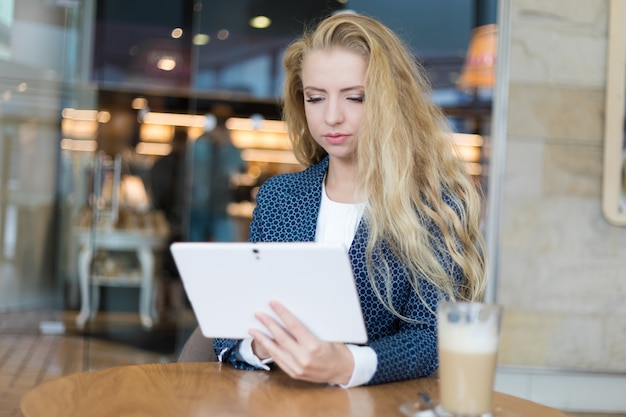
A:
(468, 345)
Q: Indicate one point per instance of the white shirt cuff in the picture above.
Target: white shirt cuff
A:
(245, 350)
(365, 363)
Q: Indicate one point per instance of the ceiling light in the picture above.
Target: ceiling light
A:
(268, 155)
(254, 123)
(177, 33)
(260, 22)
(160, 149)
(139, 103)
(103, 116)
(86, 115)
(166, 63)
(201, 39)
(79, 145)
(174, 119)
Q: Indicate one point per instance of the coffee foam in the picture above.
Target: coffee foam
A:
(468, 338)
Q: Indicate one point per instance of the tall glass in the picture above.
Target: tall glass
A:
(468, 345)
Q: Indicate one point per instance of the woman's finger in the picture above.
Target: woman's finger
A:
(280, 356)
(294, 326)
(276, 329)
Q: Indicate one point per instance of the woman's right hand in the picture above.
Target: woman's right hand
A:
(300, 353)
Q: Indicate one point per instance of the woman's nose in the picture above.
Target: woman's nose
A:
(334, 112)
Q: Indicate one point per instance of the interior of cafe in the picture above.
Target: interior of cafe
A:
(127, 126)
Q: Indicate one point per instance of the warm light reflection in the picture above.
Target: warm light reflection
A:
(467, 153)
(79, 145)
(468, 139)
(104, 117)
(474, 168)
(21, 87)
(223, 34)
(258, 133)
(200, 39)
(266, 155)
(82, 124)
(86, 115)
(146, 148)
(468, 148)
(74, 114)
(79, 129)
(260, 140)
(242, 209)
(177, 33)
(174, 119)
(155, 133)
(240, 123)
(193, 132)
(166, 63)
(139, 103)
(260, 22)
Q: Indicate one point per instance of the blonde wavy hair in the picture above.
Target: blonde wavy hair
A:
(405, 161)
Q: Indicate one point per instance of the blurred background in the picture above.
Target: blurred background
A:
(125, 126)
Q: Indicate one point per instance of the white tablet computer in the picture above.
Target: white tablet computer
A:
(227, 283)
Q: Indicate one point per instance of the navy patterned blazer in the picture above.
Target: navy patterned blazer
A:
(287, 210)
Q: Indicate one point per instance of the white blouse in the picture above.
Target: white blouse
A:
(337, 222)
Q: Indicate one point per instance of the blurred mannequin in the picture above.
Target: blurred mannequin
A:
(215, 161)
(167, 179)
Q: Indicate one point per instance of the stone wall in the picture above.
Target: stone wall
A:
(561, 266)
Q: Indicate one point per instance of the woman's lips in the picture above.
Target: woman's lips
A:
(336, 138)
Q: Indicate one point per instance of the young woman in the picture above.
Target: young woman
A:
(381, 177)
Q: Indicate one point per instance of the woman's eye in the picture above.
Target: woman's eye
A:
(356, 99)
(313, 99)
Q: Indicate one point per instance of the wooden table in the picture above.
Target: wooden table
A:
(210, 389)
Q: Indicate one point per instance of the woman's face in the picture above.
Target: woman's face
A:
(333, 85)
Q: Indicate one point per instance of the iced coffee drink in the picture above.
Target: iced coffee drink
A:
(468, 345)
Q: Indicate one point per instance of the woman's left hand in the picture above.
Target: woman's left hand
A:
(301, 354)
